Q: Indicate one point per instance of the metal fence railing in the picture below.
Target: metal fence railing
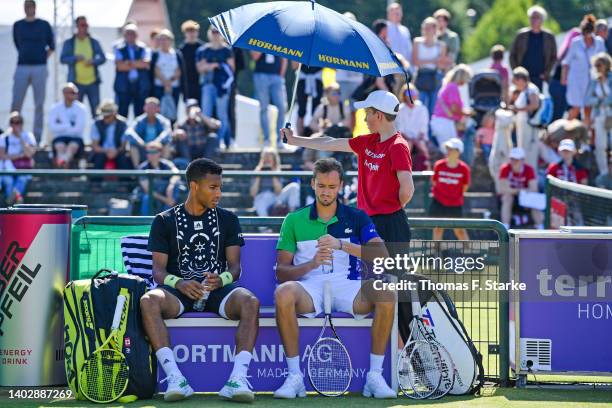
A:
(418, 205)
(95, 244)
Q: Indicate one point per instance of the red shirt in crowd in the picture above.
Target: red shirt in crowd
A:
(378, 191)
(449, 182)
(574, 172)
(519, 181)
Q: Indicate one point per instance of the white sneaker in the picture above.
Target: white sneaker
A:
(237, 389)
(178, 388)
(292, 387)
(377, 387)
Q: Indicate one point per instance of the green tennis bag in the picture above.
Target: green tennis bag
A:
(88, 314)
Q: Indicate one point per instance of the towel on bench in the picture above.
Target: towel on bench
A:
(137, 259)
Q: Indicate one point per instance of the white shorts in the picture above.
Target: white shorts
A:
(442, 129)
(344, 292)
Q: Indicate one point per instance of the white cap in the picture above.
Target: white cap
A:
(567, 144)
(517, 153)
(454, 143)
(130, 27)
(380, 100)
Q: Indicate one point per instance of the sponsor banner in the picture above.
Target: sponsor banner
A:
(567, 304)
(34, 260)
(558, 213)
(205, 354)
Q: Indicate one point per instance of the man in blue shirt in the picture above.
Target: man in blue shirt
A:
(148, 127)
(34, 41)
(133, 77)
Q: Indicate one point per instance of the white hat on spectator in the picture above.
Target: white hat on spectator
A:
(454, 143)
(107, 108)
(130, 27)
(191, 102)
(517, 153)
(380, 100)
(567, 145)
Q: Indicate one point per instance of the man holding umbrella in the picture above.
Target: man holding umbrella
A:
(385, 168)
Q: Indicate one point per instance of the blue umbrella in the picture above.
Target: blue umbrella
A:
(308, 33)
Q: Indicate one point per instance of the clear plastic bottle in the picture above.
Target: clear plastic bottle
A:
(200, 304)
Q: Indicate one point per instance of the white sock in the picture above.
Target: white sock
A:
(241, 363)
(166, 359)
(293, 363)
(376, 363)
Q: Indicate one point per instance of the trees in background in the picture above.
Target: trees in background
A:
(480, 23)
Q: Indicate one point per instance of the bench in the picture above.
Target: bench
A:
(203, 343)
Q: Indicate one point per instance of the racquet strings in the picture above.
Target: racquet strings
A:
(329, 367)
(105, 375)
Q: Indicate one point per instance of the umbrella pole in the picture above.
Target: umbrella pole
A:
(290, 112)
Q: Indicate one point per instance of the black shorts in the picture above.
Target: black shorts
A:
(392, 227)
(439, 210)
(213, 303)
(395, 231)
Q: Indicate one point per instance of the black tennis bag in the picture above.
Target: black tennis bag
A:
(137, 350)
(99, 294)
(440, 314)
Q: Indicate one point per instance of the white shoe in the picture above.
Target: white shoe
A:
(292, 387)
(237, 389)
(377, 387)
(178, 388)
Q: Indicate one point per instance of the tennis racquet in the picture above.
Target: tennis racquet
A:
(425, 368)
(104, 375)
(329, 364)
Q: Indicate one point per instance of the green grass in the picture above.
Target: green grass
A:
(492, 398)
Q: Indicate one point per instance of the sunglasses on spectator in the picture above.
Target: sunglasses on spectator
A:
(153, 151)
(16, 122)
(334, 93)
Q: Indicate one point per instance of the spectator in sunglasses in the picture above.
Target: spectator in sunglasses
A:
(330, 112)
(17, 147)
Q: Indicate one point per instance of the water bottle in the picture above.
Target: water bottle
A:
(200, 304)
(328, 268)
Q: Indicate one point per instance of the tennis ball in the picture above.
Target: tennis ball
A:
(126, 399)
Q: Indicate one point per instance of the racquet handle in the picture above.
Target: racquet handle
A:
(118, 310)
(416, 303)
(327, 297)
(288, 126)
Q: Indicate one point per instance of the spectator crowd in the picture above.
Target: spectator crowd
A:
(548, 112)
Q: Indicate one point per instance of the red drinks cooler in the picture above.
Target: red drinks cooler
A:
(34, 259)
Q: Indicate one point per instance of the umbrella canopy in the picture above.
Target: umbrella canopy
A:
(309, 33)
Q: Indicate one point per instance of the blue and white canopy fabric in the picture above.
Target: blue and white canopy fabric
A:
(309, 33)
